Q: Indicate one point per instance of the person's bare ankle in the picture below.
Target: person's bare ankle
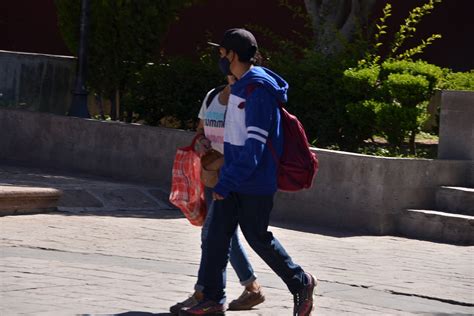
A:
(253, 287)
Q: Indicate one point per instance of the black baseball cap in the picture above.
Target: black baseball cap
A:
(240, 41)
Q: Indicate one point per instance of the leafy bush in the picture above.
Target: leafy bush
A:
(395, 122)
(175, 87)
(316, 95)
(458, 81)
(124, 36)
(407, 89)
(432, 73)
(398, 98)
(361, 120)
(360, 82)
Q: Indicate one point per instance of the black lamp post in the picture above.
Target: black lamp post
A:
(79, 100)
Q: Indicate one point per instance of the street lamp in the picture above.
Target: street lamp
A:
(79, 100)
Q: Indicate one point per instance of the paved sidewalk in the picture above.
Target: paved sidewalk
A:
(134, 262)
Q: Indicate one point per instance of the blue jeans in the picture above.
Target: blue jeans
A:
(252, 213)
(238, 256)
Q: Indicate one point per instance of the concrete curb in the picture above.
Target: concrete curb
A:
(16, 200)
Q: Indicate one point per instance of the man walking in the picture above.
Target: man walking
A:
(248, 182)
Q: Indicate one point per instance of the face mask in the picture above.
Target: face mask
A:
(224, 66)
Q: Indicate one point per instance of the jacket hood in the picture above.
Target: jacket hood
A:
(265, 77)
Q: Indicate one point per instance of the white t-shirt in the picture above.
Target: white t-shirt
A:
(214, 117)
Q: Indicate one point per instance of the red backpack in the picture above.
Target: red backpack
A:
(297, 165)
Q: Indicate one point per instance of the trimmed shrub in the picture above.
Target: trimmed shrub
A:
(432, 73)
(459, 81)
(407, 89)
(361, 82)
(398, 98)
(316, 95)
(361, 120)
(395, 122)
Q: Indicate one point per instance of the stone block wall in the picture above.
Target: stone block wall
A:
(351, 190)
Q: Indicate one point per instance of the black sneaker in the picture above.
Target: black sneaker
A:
(205, 307)
(303, 300)
(189, 302)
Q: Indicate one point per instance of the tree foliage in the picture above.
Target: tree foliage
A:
(407, 30)
(391, 99)
(124, 36)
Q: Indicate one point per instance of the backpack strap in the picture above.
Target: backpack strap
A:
(213, 94)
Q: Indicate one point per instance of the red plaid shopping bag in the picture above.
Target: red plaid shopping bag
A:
(187, 191)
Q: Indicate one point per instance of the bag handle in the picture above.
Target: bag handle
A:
(195, 139)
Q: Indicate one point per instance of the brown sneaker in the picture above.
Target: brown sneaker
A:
(189, 302)
(247, 300)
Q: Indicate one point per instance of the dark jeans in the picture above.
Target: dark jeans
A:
(238, 256)
(252, 213)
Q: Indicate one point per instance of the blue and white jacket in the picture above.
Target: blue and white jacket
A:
(251, 120)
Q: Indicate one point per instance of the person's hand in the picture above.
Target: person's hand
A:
(217, 196)
(202, 145)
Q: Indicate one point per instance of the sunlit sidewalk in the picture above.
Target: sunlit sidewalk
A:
(66, 264)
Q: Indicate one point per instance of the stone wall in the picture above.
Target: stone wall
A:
(113, 149)
(351, 190)
(36, 82)
(456, 133)
(367, 192)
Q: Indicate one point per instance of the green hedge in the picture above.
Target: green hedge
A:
(406, 89)
(174, 88)
(393, 98)
(360, 82)
(458, 81)
(317, 97)
(339, 104)
(432, 73)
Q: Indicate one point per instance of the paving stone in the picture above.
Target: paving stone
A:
(116, 262)
(107, 264)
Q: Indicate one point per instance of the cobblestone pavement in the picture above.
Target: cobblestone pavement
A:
(140, 264)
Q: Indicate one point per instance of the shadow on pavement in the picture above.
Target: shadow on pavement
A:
(133, 313)
(143, 314)
(160, 214)
(116, 205)
(175, 214)
(430, 314)
(340, 233)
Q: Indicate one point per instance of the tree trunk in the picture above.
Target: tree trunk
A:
(100, 102)
(129, 117)
(335, 21)
(118, 114)
(412, 142)
(113, 107)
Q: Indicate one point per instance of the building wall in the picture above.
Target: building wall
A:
(31, 26)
